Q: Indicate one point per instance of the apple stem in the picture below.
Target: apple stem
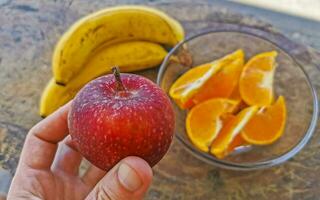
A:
(116, 73)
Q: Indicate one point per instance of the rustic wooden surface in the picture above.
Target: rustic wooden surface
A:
(28, 33)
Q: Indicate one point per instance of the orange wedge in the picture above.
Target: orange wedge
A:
(221, 145)
(267, 125)
(235, 95)
(256, 81)
(221, 84)
(238, 140)
(203, 121)
(184, 89)
(188, 84)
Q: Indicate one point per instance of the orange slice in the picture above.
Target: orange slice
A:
(220, 146)
(267, 125)
(203, 121)
(236, 93)
(183, 90)
(189, 83)
(221, 84)
(238, 140)
(256, 81)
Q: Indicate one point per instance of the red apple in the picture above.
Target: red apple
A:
(112, 118)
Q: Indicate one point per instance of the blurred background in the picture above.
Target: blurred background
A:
(309, 9)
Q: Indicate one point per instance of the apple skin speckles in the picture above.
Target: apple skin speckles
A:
(107, 125)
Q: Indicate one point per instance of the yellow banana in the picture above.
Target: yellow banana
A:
(129, 56)
(110, 26)
(53, 97)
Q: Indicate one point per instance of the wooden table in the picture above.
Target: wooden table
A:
(28, 33)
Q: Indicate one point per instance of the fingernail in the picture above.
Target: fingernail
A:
(128, 177)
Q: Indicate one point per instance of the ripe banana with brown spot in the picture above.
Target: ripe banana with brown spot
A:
(109, 26)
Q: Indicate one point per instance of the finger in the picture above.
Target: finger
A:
(129, 179)
(92, 176)
(67, 159)
(41, 142)
(54, 128)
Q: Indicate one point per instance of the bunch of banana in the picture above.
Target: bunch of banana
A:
(131, 37)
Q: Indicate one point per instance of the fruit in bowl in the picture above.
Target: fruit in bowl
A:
(231, 103)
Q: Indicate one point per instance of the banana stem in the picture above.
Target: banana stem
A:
(116, 73)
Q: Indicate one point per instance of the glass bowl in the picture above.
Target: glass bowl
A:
(291, 81)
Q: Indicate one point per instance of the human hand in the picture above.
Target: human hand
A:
(49, 168)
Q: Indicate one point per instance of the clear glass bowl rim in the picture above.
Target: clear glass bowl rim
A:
(260, 34)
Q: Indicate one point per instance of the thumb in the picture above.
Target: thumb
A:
(129, 179)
